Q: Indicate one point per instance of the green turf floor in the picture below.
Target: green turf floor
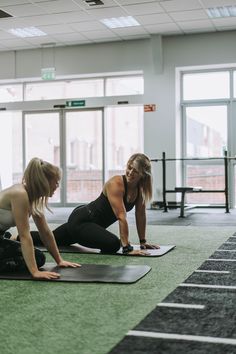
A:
(84, 318)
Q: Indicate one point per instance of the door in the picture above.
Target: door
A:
(206, 137)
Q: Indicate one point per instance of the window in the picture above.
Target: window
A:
(11, 163)
(207, 85)
(206, 131)
(11, 93)
(64, 89)
(132, 85)
(125, 136)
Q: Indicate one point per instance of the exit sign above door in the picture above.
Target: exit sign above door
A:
(79, 103)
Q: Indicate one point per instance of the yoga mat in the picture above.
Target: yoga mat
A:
(88, 273)
(76, 248)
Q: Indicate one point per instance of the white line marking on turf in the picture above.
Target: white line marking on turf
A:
(187, 337)
(222, 250)
(212, 271)
(230, 242)
(221, 259)
(208, 286)
(178, 305)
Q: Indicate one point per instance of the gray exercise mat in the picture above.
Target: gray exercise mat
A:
(88, 273)
(76, 248)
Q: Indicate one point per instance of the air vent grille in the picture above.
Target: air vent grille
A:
(94, 2)
(3, 14)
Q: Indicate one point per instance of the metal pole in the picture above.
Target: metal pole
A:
(226, 183)
(164, 181)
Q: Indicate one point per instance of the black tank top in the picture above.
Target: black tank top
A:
(101, 209)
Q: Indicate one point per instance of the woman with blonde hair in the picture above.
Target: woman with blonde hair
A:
(87, 223)
(17, 204)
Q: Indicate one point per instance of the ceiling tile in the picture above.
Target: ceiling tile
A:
(131, 2)
(70, 37)
(163, 28)
(85, 6)
(23, 10)
(107, 12)
(15, 43)
(129, 31)
(142, 9)
(59, 6)
(87, 26)
(229, 21)
(99, 34)
(14, 2)
(180, 5)
(213, 3)
(189, 15)
(56, 29)
(6, 35)
(196, 25)
(153, 19)
(142, 36)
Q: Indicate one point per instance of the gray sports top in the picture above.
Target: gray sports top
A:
(6, 219)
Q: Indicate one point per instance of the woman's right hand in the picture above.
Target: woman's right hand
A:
(45, 275)
(138, 253)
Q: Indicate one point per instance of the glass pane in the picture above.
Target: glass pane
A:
(84, 155)
(11, 164)
(234, 186)
(11, 93)
(234, 83)
(84, 88)
(64, 89)
(206, 131)
(209, 178)
(130, 85)
(125, 136)
(206, 85)
(42, 140)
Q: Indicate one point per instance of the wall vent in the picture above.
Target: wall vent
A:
(94, 2)
(3, 14)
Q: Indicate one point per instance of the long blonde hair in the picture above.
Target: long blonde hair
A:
(37, 178)
(143, 165)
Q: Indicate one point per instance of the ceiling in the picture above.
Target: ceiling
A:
(70, 22)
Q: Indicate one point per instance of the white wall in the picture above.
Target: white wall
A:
(157, 57)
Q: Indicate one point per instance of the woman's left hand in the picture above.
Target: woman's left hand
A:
(65, 264)
(148, 246)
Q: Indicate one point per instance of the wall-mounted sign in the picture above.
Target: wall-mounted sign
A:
(78, 103)
(48, 73)
(149, 107)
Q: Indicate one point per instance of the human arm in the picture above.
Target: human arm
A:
(48, 240)
(20, 210)
(114, 190)
(140, 218)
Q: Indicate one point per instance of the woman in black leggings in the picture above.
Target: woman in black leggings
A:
(87, 223)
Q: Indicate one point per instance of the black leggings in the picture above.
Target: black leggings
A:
(11, 258)
(82, 228)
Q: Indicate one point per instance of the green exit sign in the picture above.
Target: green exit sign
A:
(48, 73)
(80, 103)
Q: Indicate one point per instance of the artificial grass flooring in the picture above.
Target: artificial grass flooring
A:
(44, 317)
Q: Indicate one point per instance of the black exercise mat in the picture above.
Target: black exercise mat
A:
(76, 248)
(88, 273)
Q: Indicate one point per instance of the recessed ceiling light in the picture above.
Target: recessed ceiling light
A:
(221, 11)
(27, 32)
(116, 22)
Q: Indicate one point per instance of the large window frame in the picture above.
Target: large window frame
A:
(231, 109)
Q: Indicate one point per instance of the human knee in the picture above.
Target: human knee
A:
(112, 247)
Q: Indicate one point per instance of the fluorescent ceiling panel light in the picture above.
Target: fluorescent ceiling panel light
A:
(221, 11)
(118, 22)
(27, 32)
